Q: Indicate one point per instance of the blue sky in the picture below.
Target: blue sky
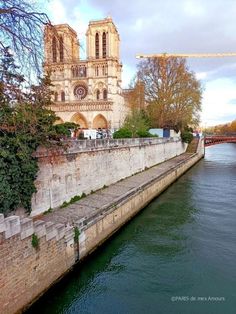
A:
(156, 26)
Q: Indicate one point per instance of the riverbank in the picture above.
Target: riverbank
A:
(176, 256)
(60, 245)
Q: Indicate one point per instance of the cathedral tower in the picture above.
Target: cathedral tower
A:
(87, 92)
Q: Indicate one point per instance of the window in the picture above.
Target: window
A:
(61, 49)
(55, 96)
(96, 71)
(105, 94)
(97, 46)
(104, 45)
(98, 94)
(62, 96)
(54, 49)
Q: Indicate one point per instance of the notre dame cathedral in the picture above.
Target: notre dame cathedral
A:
(87, 92)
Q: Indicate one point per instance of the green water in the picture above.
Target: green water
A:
(179, 251)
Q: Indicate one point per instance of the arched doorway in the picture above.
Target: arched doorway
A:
(78, 118)
(100, 122)
(58, 121)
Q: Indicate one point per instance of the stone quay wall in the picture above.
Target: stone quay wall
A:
(27, 272)
(90, 165)
(96, 229)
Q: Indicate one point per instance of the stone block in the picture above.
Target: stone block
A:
(12, 226)
(2, 223)
(39, 228)
(50, 230)
(80, 223)
(27, 228)
(60, 231)
(69, 235)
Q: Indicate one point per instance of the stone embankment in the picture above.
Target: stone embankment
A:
(28, 270)
(87, 166)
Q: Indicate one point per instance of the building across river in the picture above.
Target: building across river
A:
(87, 92)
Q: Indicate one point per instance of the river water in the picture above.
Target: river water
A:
(177, 256)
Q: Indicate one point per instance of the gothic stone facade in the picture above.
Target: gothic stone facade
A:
(87, 92)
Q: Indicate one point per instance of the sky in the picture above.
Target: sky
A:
(172, 26)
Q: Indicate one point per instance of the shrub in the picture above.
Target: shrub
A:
(186, 136)
(122, 133)
(144, 133)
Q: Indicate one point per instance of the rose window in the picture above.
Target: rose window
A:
(80, 91)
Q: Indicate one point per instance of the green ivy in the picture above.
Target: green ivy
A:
(25, 123)
(35, 241)
(76, 234)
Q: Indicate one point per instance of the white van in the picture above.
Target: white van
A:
(90, 134)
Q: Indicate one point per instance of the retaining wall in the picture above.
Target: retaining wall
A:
(89, 165)
(26, 271)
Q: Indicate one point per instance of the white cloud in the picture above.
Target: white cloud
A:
(57, 11)
(217, 106)
(193, 8)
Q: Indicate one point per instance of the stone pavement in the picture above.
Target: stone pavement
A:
(94, 204)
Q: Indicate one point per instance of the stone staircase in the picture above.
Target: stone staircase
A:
(192, 147)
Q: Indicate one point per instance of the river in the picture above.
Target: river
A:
(177, 256)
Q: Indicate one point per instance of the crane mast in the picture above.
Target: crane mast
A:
(187, 55)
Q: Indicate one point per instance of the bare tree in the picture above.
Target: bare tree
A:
(172, 92)
(21, 30)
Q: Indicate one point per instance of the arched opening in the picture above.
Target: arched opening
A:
(98, 94)
(100, 122)
(54, 49)
(104, 45)
(105, 94)
(56, 96)
(78, 118)
(63, 96)
(97, 46)
(61, 50)
(58, 121)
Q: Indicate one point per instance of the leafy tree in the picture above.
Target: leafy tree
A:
(25, 123)
(65, 128)
(135, 97)
(137, 122)
(172, 92)
(136, 125)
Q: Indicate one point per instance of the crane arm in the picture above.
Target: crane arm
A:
(187, 55)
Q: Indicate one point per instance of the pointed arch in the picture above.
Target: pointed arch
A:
(104, 45)
(54, 49)
(61, 49)
(97, 46)
(100, 122)
(56, 96)
(78, 118)
(63, 97)
(58, 121)
(97, 94)
(105, 94)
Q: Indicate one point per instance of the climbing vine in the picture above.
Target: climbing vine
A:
(25, 123)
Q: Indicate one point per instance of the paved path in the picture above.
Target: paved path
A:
(93, 204)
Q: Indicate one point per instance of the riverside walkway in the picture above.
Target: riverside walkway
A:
(84, 211)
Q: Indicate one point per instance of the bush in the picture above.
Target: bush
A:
(186, 136)
(142, 133)
(122, 133)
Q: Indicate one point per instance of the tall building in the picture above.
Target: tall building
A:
(87, 92)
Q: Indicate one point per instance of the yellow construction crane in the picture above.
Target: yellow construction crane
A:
(187, 55)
